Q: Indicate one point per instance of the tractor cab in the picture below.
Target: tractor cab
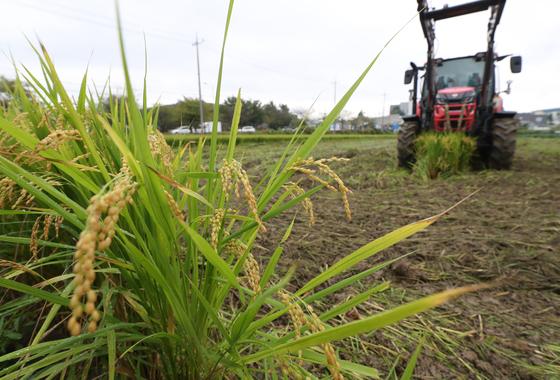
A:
(459, 94)
(457, 86)
(458, 82)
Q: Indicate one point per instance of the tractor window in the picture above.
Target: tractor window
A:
(459, 73)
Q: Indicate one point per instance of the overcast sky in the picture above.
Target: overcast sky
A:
(288, 51)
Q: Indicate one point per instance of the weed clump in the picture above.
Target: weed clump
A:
(443, 154)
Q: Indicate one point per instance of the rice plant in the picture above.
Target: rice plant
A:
(128, 259)
(443, 154)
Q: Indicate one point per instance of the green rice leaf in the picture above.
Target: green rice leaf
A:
(367, 251)
(411, 365)
(34, 292)
(211, 255)
(372, 323)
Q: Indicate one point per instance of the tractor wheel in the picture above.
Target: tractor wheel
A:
(504, 133)
(405, 144)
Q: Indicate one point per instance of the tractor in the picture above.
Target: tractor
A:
(459, 94)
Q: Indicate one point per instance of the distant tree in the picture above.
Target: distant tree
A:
(184, 112)
(251, 112)
(279, 117)
(226, 112)
(8, 90)
(361, 122)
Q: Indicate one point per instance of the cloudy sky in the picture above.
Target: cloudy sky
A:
(289, 51)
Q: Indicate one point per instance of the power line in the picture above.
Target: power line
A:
(139, 27)
(78, 15)
(103, 23)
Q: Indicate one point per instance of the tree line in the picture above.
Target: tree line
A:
(186, 112)
(253, 112)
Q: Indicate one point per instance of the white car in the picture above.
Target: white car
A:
(183, 129)
(247, 129)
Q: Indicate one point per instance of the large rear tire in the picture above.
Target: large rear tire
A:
(504, 134)
(405, 144)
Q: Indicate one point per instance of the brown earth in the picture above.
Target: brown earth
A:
(508, 232)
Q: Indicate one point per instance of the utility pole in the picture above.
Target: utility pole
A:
(383, 111)
(334, 123)
(196, 43)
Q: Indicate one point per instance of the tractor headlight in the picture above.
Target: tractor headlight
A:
(469, 97)
(440, 99)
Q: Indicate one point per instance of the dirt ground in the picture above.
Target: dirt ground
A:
(510, 230)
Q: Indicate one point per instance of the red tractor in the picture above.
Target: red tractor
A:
(459, 94)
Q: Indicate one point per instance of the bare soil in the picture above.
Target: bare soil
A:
(509, 232)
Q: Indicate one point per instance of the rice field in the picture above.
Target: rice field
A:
(125, 253)
(508, 232)
(271, 137)
(123, 256)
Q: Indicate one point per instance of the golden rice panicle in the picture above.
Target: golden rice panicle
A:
(253, 273)
(7, 191)
(306, 203)
(308, 207)
(57, 225)
(24, 198)
(103, 214)
(46, 120)
(297, 316)
(284, 367)
(227, 178)
(250, 198)
(251, 267)
(302, 167)
(216, 226)
(160, 148)
(125, 168)
(34, 244)
(311, 168)
(114, 202)
(333, 364)
(232, 175)
(342, 188)
(287, 370)
(22, 121)
(47, 222)
(179, 214)
(60, 122)
(80, 157)
(56, 138)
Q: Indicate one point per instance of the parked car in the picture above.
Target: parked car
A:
(247, 129)
(183, 129)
